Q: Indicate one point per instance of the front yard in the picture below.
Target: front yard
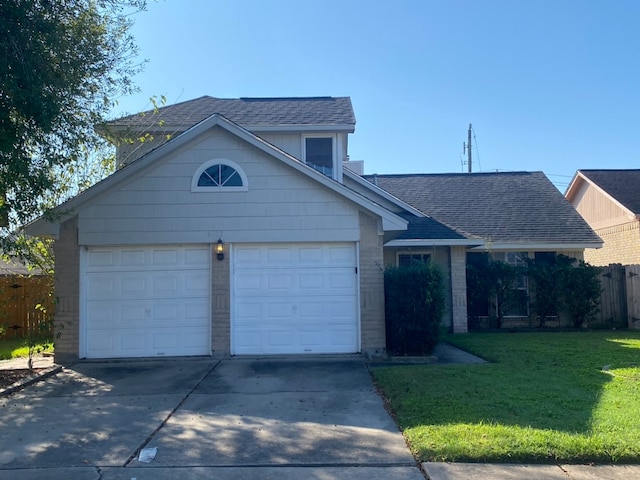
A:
(545, 398)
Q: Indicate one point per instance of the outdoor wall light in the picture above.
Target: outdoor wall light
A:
(220, 249)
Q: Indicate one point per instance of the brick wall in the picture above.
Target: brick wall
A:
(459, 289)
(220, 305)
(372, 326)
(67, 293)
(621, 245)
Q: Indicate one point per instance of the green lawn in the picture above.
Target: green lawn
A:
(546, 397)
(18, 347)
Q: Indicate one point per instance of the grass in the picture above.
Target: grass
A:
(545, 398)
(18, 347)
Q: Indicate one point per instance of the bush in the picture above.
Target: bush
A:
(414, 305)
(581, 290)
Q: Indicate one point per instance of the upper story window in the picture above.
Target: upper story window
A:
(219, 175)
(319, 153)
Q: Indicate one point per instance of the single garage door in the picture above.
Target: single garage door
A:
(294, 298)
(146, 301)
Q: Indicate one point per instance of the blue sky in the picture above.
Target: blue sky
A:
(550, 86)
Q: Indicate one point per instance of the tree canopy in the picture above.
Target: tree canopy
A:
(62, 66)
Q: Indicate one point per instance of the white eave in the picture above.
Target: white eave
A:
(407, 243)
(551, 247)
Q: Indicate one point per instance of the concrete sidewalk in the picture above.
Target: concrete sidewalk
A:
(484, 471)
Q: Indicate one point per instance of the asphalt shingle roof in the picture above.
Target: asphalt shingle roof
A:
(271, 112)
(513, 207)
(427, 228)
(623, 185)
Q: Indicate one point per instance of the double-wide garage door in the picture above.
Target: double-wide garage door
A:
(146, 301)
(294, 298)
(156, 300)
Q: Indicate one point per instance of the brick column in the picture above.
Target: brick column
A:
(66, 324)
(221, 303)
(372, 324)
(459, 289)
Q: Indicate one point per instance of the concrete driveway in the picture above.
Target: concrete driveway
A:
(239, 418)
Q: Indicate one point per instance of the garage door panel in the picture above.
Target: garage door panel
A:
(295, 298)
(317, 282)
(147, 301)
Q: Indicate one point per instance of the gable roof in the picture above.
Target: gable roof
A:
(42, 226)
(264, 114)
(623, 186)
(422, 230)
(506, 209)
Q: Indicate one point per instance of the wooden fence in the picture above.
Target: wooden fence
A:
(26, 306)
(620, 298)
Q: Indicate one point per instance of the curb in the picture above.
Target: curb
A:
(36, 377)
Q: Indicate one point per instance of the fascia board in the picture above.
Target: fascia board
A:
(434, 243)
(42, 228)
(539, 246)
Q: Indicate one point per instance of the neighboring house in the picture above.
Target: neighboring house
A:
(239, 228)
(609, 200)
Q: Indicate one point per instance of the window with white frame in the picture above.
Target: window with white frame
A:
(319, 153)
(219, 175)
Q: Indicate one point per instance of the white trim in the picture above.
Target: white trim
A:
(334, 151)
(232, 300)
(220, 188)
(358, 309)
(82, 313)
(537, 247)
(435, 243)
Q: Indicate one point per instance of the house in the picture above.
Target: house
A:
(239, 227)
(609, 201)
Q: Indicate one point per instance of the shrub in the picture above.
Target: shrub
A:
(414, 305)
(581, 289)
(492, 289)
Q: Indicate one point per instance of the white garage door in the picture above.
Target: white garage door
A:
(146, 301)
(294, 298)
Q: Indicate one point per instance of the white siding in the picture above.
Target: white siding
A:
(157, 206)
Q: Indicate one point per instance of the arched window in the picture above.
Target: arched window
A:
(219, 175)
